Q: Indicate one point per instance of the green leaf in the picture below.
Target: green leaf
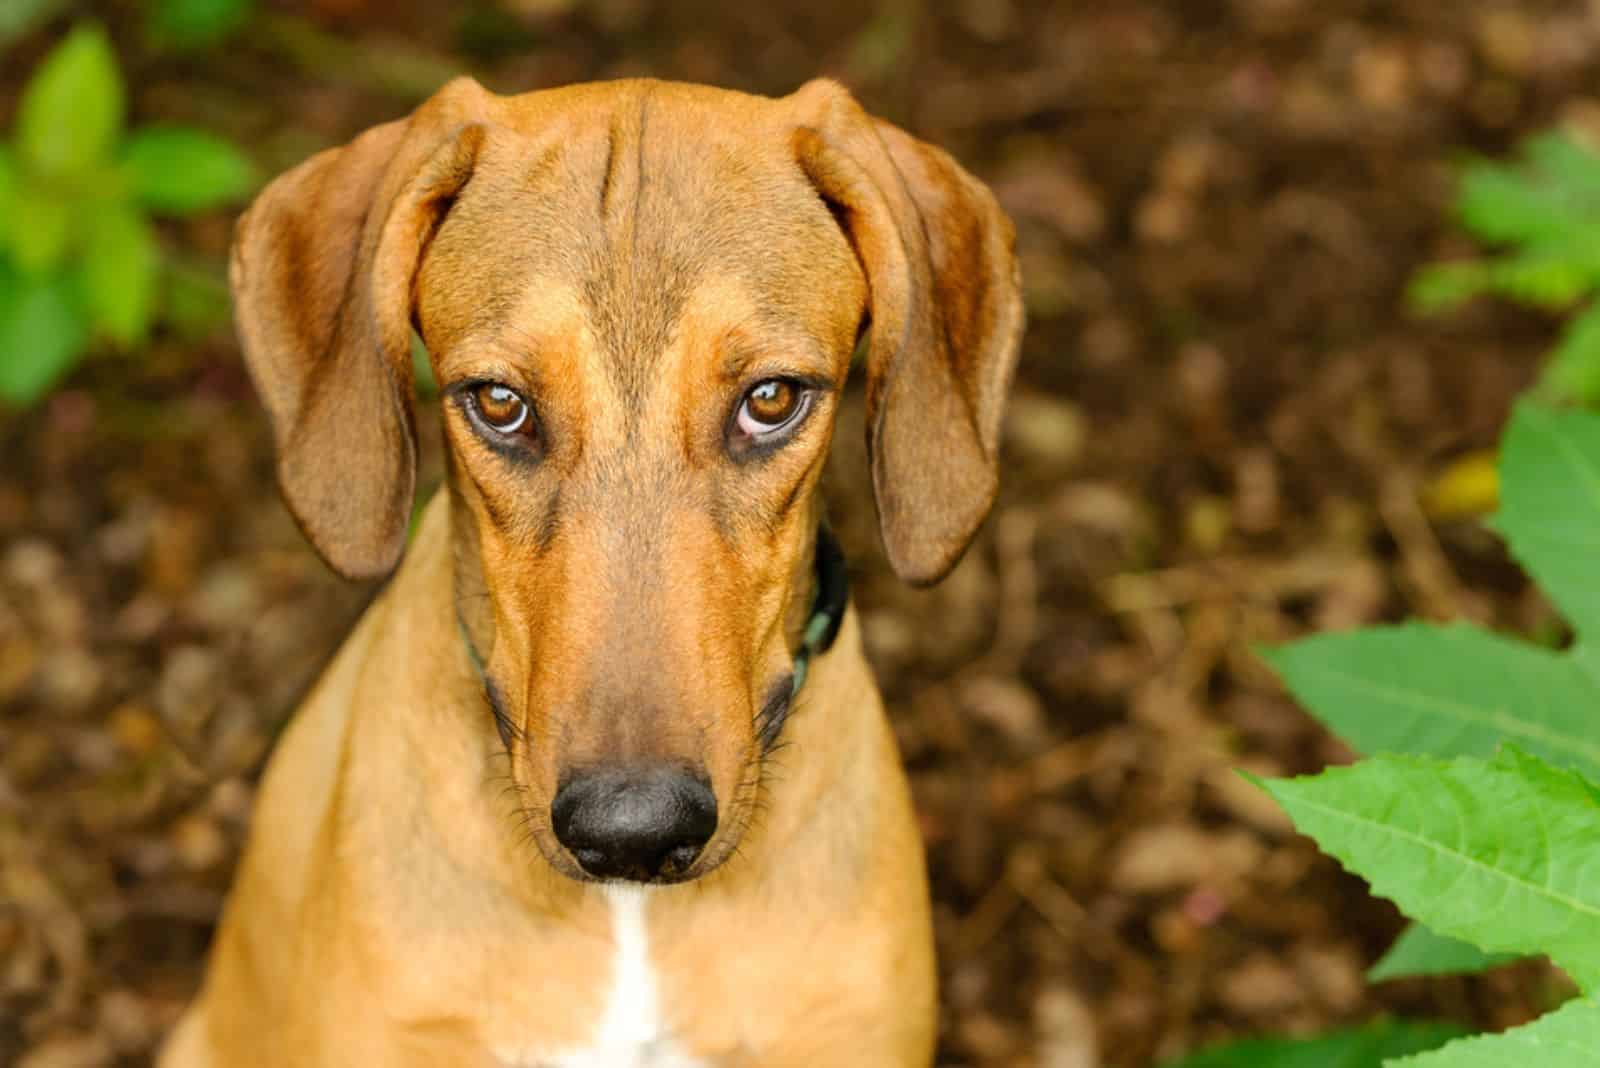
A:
(41, 333)
(419, 508)
(1445, 691)
(1365, 1047)
(1419, 951)
(1442, 287)
(1504, 854)
(71, 111)
(1555, 187)
(18, 17)
(195, 23)
(1566, 1038)
(197, 303)
(8, 192)
(120, 268)
(1573, 370)
(422, 368)
(1550, 507)
(181, 171)
(42, 233)
(1499, 203)
(1543, 277)
(1579, 246)
(1566, 162)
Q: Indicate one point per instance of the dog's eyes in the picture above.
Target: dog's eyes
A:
(770, 407)
(500, 409)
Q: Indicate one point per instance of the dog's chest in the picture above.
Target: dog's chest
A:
(631, 1032)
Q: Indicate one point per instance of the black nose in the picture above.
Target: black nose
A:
(641, 824)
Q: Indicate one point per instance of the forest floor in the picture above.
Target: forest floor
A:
(1222, 424)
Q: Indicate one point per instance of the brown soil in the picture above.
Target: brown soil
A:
(1222, 421)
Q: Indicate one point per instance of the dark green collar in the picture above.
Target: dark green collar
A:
(827, 610)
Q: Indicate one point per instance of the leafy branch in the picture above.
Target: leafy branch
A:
(80, 260)
(1479, 815)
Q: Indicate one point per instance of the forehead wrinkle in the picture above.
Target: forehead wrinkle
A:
(609, 168)
(634, 298)
(637, 280)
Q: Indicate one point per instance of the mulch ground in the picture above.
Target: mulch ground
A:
(1221, 426)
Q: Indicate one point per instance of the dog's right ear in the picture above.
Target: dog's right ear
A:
(945, 309)
(322, 275)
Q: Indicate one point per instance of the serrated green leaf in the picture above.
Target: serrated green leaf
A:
(1365, 1047)
(41, 333)
(1420, 951)
(1445, 691)
(120, 265)
(1504, 854)
(1573, 370)
(72, 109)
(42, 233)
(181, 171)
(1550, 507)
(1442, 287)
(1566, 1038)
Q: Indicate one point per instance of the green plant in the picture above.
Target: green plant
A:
(1357, 1048)
(196, 23)
(19, 17)
(1542, 216)
(1480, 814)
(79, 258)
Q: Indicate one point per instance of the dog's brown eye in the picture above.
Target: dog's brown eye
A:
(501, 408)
(770, 406)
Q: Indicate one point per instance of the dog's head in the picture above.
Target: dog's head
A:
(641, 301)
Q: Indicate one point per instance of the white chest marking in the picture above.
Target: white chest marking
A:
(631, 1033)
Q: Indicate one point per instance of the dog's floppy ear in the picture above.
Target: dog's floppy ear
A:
(946, 318)
(322, 273)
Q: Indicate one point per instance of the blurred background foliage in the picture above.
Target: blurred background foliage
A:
(1542, 211)
(1287, 263)
(82, 262)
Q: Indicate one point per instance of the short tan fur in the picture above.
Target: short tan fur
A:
(625, 588)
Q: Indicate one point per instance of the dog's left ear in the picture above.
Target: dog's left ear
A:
(322, 275)
(946, 318)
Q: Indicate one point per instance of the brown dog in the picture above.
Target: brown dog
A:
(641, 300)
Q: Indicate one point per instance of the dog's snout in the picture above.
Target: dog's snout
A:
(643, 825)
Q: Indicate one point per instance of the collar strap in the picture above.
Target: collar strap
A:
(827, 611)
